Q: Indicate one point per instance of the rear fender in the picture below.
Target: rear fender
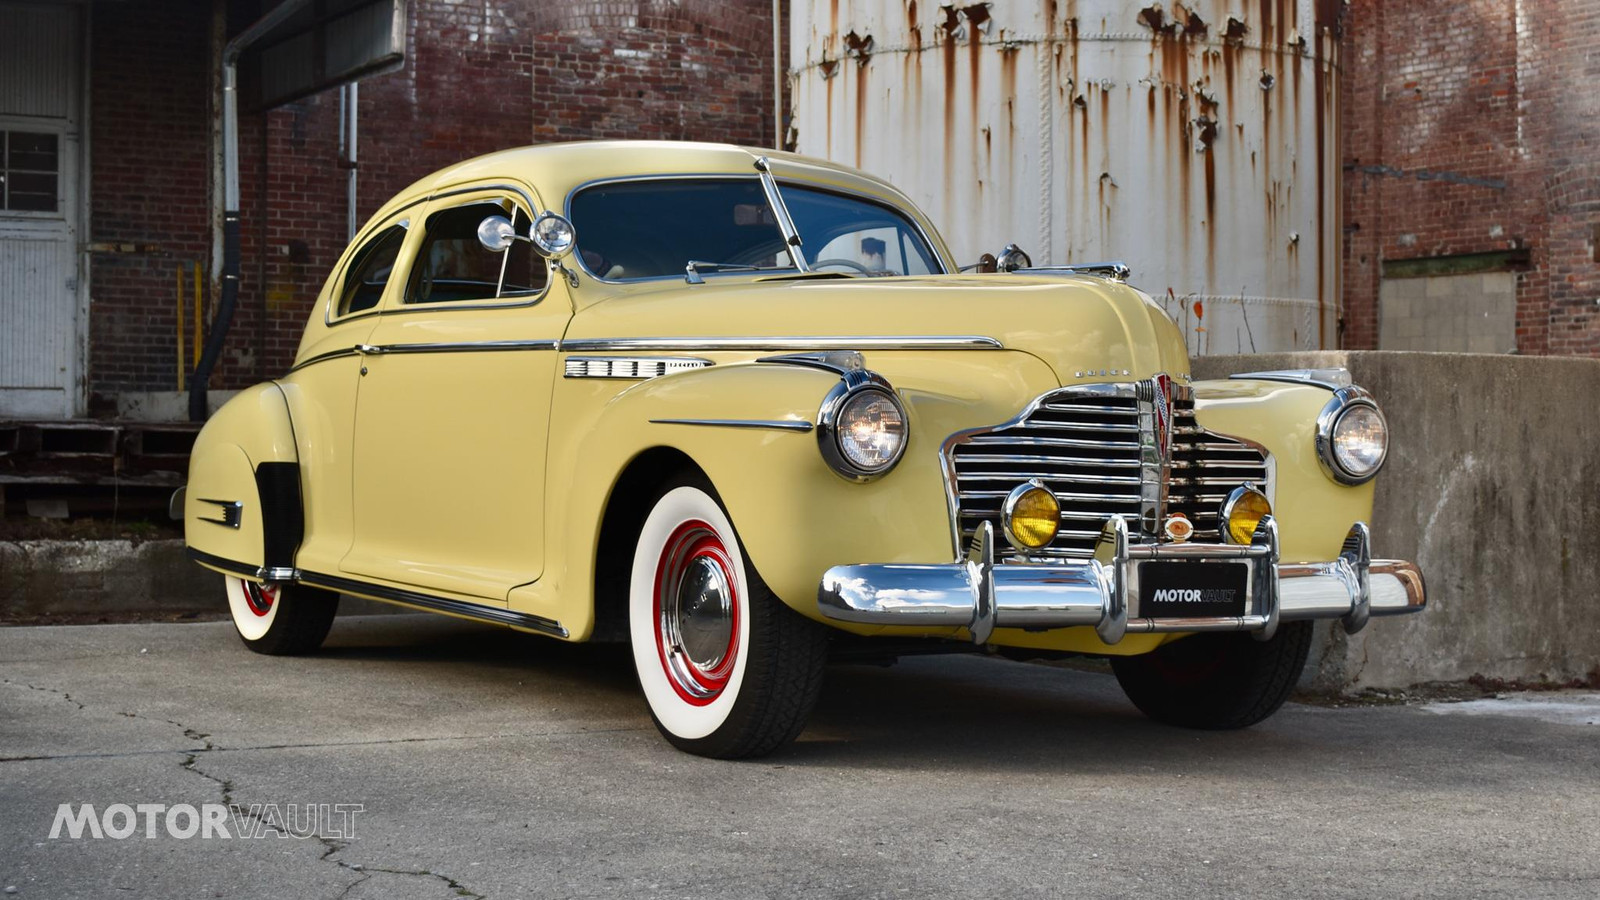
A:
(242, 511)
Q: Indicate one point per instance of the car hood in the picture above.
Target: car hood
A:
(1084, 328)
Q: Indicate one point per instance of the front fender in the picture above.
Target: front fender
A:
(1314, 512)
(242, 471)
(795, 516)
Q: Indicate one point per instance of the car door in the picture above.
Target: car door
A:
(453, 406)
(321, 388)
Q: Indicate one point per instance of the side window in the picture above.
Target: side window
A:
(369, 271)
(453, 266)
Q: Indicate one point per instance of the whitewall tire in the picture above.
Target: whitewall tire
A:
(280, 618)
(726, 668)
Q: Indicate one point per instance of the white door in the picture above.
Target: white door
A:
(42, 323)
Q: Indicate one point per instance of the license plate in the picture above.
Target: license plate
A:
(1191, 590)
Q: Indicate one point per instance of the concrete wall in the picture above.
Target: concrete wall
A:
(1493, 487)
(118, 581)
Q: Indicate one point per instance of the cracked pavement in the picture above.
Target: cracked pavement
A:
(493, 764)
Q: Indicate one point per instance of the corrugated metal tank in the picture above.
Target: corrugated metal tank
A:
(1195, 141)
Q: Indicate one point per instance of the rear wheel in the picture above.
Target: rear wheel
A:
(1216, 681)
(280, 618)
(727, 669)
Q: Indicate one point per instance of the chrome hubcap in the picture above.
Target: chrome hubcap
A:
(704, 620)
(260, 597)
(696, 613)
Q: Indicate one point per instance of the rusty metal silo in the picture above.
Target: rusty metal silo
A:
(1197, 141)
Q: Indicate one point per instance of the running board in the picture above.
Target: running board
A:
(475, 611)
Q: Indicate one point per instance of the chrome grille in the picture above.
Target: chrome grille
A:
(1084, 444)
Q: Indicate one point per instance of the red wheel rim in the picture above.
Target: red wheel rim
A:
(696, 613)
(260, 597)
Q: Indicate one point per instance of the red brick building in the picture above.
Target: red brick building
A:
(129, 101)
(1472, 166)
(1472, 176)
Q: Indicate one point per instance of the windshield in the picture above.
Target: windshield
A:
(841, 233)
(652, 228)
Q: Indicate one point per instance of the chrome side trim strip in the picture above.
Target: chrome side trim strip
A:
(490, 614)
(324, 357)
(464, 347)
(670, 344)
(774, 424)
(839, 362)
(630, 367)
(862, 342)
(1331, 377)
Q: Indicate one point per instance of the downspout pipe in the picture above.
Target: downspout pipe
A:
(199, 382)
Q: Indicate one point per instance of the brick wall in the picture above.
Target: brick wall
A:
(149, 175)
(478, 78)
(1471, 128)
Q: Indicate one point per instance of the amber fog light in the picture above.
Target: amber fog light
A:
(1244, 509)
(1030, 516)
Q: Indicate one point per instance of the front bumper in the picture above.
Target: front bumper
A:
(978, 595)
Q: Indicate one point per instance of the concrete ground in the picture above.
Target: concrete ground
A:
(493, 764)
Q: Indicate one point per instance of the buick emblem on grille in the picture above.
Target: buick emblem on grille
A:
(1161, 403)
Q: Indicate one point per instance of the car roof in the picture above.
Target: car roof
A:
(556, 169)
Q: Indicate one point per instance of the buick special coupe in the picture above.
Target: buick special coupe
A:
(732, 407)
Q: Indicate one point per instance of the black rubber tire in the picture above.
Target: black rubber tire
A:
(1216, 682)
(786, 657)
(300, 624)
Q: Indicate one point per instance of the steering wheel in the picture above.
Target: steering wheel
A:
(848, 263)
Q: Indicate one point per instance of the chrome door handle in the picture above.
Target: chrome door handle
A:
(368, 350)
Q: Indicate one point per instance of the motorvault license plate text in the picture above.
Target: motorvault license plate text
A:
(1192, 590)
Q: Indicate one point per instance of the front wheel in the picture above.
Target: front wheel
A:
(728, 670)
(1216, 681)
(278, 618)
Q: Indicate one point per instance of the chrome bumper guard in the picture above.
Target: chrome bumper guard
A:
(978, 595)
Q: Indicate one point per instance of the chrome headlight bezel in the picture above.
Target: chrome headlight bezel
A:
(852, 387)
(1343, 401)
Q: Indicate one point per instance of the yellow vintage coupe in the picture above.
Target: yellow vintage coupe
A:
(732, 406)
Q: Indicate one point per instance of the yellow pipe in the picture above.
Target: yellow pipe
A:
(197, 312)
(180, 329)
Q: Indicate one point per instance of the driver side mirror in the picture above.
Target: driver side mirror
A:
(551, 235)
(496, 234)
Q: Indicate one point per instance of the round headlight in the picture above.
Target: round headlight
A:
(871, 431)
(861, 428)
(1360, 440)
(1352, 436)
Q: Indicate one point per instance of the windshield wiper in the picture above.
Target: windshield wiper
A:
(693, 268)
